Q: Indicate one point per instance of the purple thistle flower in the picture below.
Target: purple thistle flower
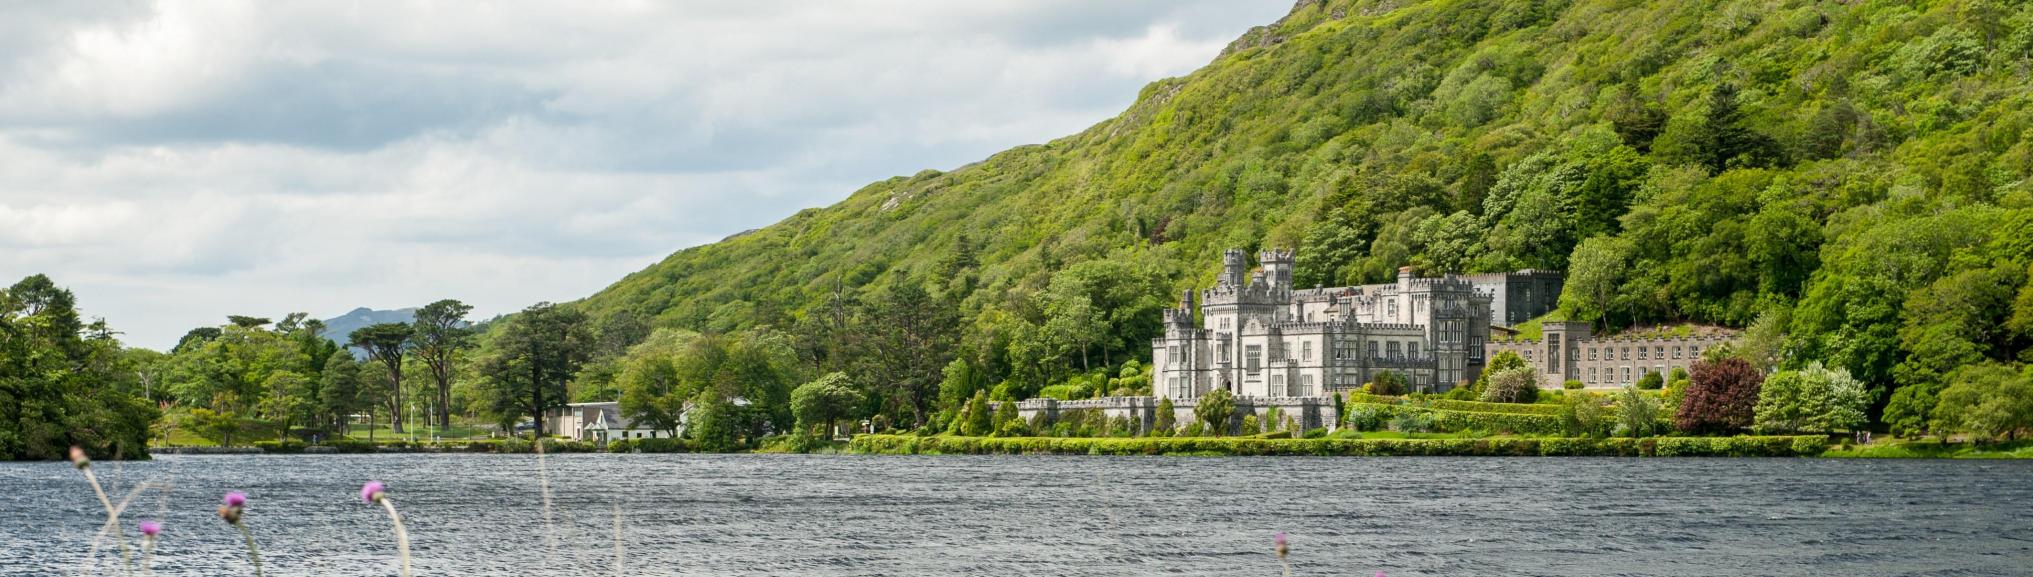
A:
(370, 493)
(236, 499)
(150, 528)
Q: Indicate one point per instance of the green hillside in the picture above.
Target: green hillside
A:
(1847, 179)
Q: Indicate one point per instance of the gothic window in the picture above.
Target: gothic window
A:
(1659, 352)
(1591, 353)
(1627, 355)
(1627, 374)
(1391, 309)
(1305, 385)
(1224, 323)
(1172, 354)
(1553, 357)
(1254, 356)
(1412, 350)
(1372, 349)
(1306, 350)
(1392, 347)
(1591, 374)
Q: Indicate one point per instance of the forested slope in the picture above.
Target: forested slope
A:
(1853, 174)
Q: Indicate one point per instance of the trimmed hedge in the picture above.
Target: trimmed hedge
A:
(649, 446)
(1456, 421)
(1482, 407)
(1244, 446)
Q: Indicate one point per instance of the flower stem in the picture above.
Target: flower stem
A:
(147, 551)
(112, 520)
(252, 552)
(401, 536)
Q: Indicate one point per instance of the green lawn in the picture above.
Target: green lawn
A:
(382, 432)
(1934, 450)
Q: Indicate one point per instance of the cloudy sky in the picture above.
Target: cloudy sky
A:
(177, 162)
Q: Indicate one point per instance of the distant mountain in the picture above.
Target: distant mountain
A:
(339, 328)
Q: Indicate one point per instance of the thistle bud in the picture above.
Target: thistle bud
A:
(370, 493)
(78, 457)
(1280, 541)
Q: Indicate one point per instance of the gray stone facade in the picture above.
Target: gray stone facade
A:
(1518, 296)
(1258, 336)
(1570, 351)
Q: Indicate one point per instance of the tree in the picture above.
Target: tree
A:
(440, 335)
(1388, 383)
(1582, 415)
(1595, 275)
(822, 402)
(387, 343)
(1637, 414)
(536, 352)
(1217, 410)
(340, 391)
(1514, 385)
(1006, 414)
(977, 418)
(651, 394)
(715, 423)
(1721, 397)
(1813, 399)
(1500, 362)
(1986, 400)
(64, 383)
(1165, 422)
(907, 338)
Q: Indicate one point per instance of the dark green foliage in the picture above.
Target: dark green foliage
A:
(1651, 381)
(1166, 421)
(1216, 410)
(63, 382)
(819, 404)
(532, 358)
(1387, 383)
(440, 336)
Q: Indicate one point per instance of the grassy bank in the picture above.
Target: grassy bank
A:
(1933, 449)
(1795, 446)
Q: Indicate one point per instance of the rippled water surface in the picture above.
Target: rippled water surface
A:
(840, 515)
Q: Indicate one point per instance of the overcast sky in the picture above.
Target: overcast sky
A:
(177, 162)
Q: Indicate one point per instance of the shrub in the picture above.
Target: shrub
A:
(1194, 429)
(620, 446)
(1462, 393)
(1519, 385)
(1315, 433)
(1216, 410)
(662, 446)
(1366, 417)
(1637, 414)
(1573, 385)
(1584, 416)
(1250, 425)
(1387, 383)
(1721, 397)
(1165, 422)
(1482, 407)
(1651, 381)
(1811, 399)
(1412, 422)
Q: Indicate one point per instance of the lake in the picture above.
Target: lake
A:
(1037, 515)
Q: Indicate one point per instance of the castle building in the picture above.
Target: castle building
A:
(1260, 337)
(1571, 351)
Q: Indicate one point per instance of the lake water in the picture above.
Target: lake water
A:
(855, 515)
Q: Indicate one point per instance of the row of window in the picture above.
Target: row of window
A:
(1657, 352)
(1610, 374)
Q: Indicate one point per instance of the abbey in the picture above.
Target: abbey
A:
(1260, 336)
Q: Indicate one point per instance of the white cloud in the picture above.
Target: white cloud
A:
(176, 162)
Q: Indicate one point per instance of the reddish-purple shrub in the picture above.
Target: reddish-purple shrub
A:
(1722, 396)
